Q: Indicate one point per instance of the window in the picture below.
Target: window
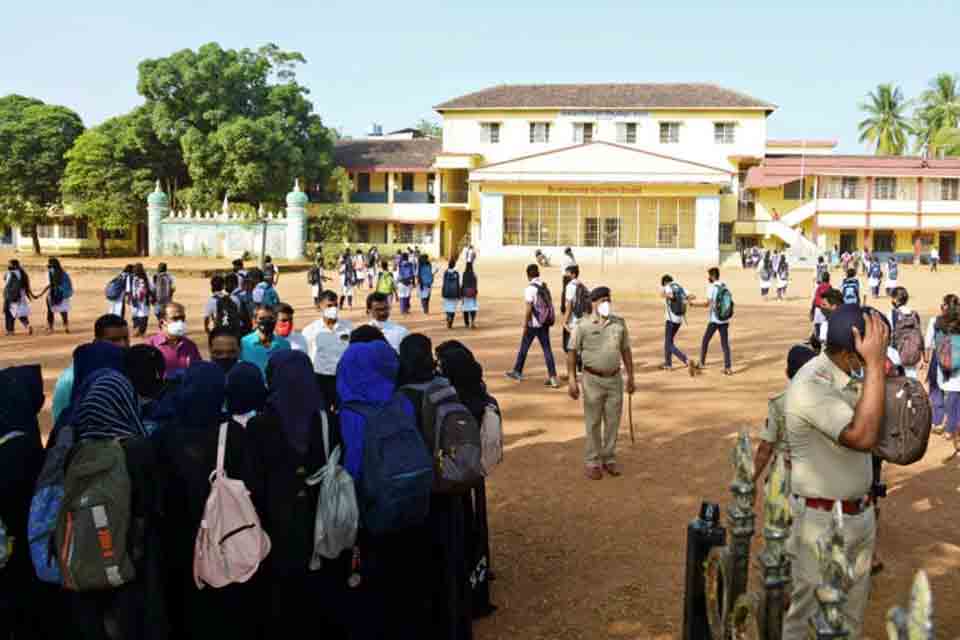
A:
(627, 132)
(726, 233)
(849, 187)
(884, 241)
(403, 234)
(362, 232)
(669, 132)
(406, 182)
(611, 232)
(539, 132)
(950, 189)
(885, 188)
(490, 132)
(793, 190)
(723, 132)
(363, 183)
(583, 132)
(667, 235)
(45, 231)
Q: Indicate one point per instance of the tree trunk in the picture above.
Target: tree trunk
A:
(102, 238)
(35, 236)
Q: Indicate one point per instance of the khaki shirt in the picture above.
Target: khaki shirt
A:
(820, 404)
(774, 430)
(600, 342)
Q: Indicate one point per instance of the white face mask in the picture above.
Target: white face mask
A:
(603, 309)
(375, 323)
(177, 328)
(330, 313)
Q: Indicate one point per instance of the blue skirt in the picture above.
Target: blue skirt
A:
(450, 305)
(470, 304)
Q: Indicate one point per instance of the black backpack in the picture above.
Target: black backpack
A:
(313, 276)
(851, 291)
(14, 288)
(349, 273)
(228, 314)
(581, 302)
(678, 303)
(451, 285)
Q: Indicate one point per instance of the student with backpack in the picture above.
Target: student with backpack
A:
(765, 273)
(25, 610)
(117, 292)
(315, 279)
(164, 287)
(874, 277)
(348, 279)
(222, 308)
(574, 305)
(932, 338)
(16, 298)
(719, 301)
(360, 268)
(850, 287)
(59, 291)
(188, 454)
(271, 274)
(141, 297)
(386, 282)
(373, 265)
(816, 306)
(469, 290)
(432, 398)
(450, 292)
(264, 293)
(425, 274)
(893, 273)
(675, 305)
(783, 277)
(406, 279)
(389, 461)
(539, 316)
(179, 351)
(947, 353)
(242, 294)
(906, 338)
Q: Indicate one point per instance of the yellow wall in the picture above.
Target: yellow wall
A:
(769, 199)
(728, 207)
(602, 191)
(457, 225)
(383, 211)
(378, 182)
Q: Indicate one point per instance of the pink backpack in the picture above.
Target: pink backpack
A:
(231, 544)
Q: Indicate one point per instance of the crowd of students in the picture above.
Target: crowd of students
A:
(285, 412)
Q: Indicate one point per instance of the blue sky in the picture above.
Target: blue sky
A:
(391, 62)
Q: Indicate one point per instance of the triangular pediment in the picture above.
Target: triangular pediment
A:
(602, 162)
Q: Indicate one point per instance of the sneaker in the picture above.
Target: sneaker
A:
(612, 469)
(593, 473)
(728, 372)
(513, 375)
(552, 383)
(666, 367)
(692, 368)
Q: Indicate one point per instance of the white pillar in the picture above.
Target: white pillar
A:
(491, 222)
(707, 229)
(158, 206)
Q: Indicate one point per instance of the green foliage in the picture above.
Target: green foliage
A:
(335, 221)
(242, 122)
(947, 142)
(939, 110)
(429, 128)
(34, 137)
(886, 124)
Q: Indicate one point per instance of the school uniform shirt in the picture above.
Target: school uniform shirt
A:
(712, 290)
(934, 255)
(19, 308)
(140, 307)
(669, 316)
(570, 293)
(254, 352)
(530, 297)
(567, 262)
(394, 333)
(210, 309)
(298, 342)
(820, 404)
(326, 345)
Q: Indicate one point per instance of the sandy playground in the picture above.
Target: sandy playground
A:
(583, 559)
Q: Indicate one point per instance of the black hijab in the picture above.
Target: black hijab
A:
(21, 398)
(416, 360)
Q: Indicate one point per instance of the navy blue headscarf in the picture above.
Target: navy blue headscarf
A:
(107, 408)
(293, 395)
(21, 398)
(199, 399)
(245, 389)
(88, 358)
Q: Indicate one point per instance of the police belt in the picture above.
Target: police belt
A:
(849, 507)
(601, 374)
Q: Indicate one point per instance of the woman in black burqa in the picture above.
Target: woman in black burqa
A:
(187, 452)
(288, 438)
(458, 365)
(448, 578)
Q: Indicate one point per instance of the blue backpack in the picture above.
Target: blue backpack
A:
(426, 275)
(66, 287)
(397, 468)
(115, 288)
(406, 273)
(45, 507)
(851, 291)
(893, 271)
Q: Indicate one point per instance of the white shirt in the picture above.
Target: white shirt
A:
(298, 342)
(210, 309)
(530, 297)
(711, 297)
(394, 333)
(934, 254)
(567, 262)
(570, 293)
(824, 326)
(326, 345)
(669, 315)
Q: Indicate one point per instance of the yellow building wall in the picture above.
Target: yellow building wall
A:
(768, 200)
(728, 207)
(456, 226)
(378, 182)
(420, 182)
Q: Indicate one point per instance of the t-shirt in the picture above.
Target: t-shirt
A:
(570, 293)
(530, 297)
(670, 315)
(210, 309)
(712, 290)
(327, 345)
(254, 352)
(820, 404)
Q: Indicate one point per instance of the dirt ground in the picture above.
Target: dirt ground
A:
(583, 559)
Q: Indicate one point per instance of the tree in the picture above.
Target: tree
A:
(429, 128)
(34, 137)
(335, 220)
(106, 181)
(886, 126)
(243, 123)
(939, 109)
(947, 142)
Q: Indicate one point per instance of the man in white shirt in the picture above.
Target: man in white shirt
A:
(573, 315)
(716, 324)
(327, 339)
(378, 310)
(532, 330)
(934, 258)
(670, 291)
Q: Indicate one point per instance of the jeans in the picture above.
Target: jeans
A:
(937, 403)
(542, 334)
(669, 348)
(712, 328)
(425, 304)
(405, 305)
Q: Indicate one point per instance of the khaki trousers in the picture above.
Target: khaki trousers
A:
(859, 533)
(602, 403)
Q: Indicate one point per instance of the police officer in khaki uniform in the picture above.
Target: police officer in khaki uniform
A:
(834, 410)
(602, 341)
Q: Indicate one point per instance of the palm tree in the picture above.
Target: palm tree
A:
(886, 125)
(939, 109)
(947, 142)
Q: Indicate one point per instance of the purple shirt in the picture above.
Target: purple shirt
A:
(177, 357)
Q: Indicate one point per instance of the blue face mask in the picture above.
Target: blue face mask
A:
(856, 373)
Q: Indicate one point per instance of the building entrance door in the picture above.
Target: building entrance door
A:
(848, 241)
(948, 247)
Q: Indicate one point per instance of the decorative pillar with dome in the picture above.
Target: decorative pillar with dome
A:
(296, 222)
(158, 206)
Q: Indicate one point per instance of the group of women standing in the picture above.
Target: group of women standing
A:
(17, 295)
(428, 582)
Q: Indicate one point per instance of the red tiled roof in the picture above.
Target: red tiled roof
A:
(799, 142)
(776, 171)
(386, 155)
(606, 96)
